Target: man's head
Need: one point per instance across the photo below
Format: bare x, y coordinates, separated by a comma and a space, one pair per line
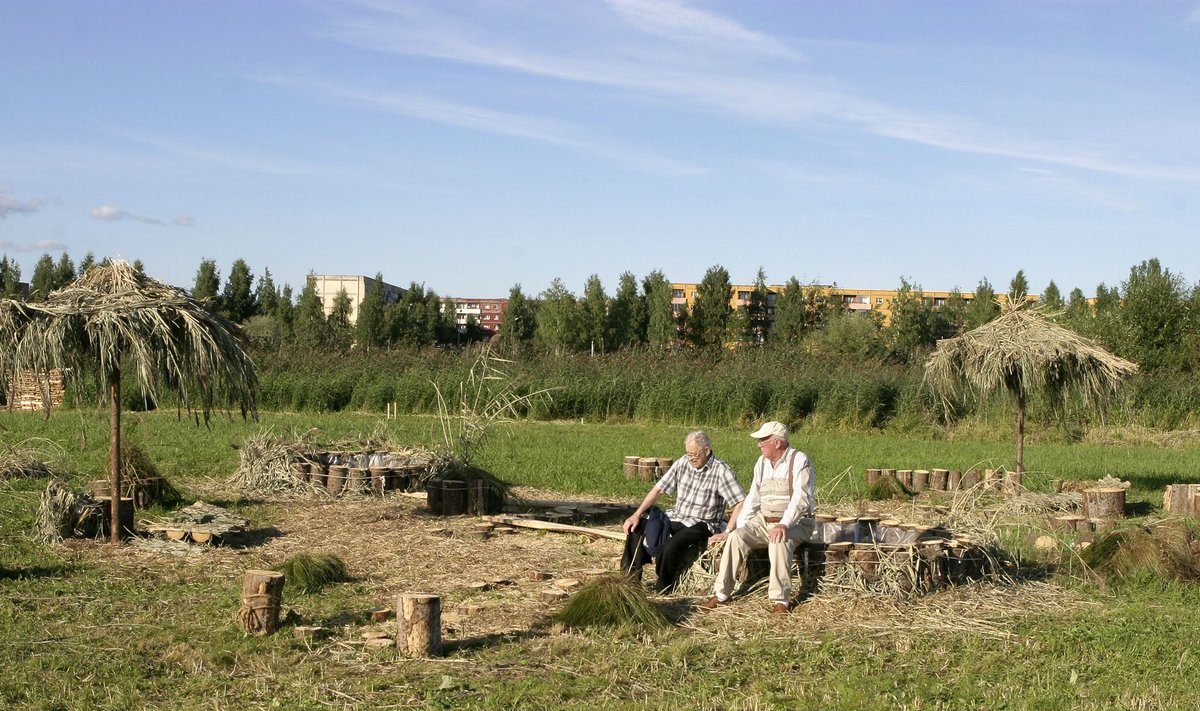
698, 447
772, 439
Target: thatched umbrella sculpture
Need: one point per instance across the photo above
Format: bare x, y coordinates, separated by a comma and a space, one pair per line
114, 318
1021, 351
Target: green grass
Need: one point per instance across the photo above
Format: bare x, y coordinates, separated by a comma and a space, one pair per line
85, 627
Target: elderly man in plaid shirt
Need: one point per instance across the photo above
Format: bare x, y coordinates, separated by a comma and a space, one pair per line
703, 487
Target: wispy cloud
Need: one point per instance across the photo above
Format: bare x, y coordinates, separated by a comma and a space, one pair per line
673, 20
241, 161
12, 206
44, 245
1193, 17
476, 118
760, 84
110, 213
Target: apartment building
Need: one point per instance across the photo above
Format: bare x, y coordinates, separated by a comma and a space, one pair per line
488, 313
328, 286
683, 295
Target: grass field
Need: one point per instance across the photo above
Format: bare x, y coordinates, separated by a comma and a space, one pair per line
99, 627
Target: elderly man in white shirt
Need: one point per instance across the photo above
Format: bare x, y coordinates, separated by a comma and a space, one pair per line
776, 515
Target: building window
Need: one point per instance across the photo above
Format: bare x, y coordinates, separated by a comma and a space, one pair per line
676, 293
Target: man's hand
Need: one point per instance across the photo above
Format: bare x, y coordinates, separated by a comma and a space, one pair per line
717, 538
631, 523
777, 534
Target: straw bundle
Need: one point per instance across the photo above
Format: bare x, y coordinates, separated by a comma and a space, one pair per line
612, 601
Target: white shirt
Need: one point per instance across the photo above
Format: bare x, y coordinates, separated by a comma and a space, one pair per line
801, 503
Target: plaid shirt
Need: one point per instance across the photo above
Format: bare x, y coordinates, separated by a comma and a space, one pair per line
701, 494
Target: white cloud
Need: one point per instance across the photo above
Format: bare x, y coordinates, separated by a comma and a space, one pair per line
12, 206
505, 123
673, 20
44, 245
110, 213
711, 80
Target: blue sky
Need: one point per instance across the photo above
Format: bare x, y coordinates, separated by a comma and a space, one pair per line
474, 145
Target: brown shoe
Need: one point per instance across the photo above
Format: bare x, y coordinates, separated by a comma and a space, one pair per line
712, 603
779, 608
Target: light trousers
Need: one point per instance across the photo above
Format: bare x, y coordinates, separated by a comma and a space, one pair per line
754, 536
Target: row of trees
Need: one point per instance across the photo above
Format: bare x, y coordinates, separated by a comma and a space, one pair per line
1152, 318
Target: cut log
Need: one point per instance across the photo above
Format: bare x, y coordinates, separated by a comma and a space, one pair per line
937, 479
419, 625
872, 476
953, 479
1180, 499
203, 537
920, 479
631, 466
175, 534
540, 575
648, 468
905, 477
262, 595
553, 595
1104, 503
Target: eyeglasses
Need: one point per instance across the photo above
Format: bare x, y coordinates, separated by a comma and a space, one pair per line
694, 456
766, 441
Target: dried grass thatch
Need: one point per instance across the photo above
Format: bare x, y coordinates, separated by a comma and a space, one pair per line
888, 487
25, 460
114, 319
1022, 352
1164, 550
56, 517
612, 601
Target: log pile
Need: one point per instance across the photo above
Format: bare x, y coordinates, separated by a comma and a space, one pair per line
29, 393
1182, 499
199, 523
646, 468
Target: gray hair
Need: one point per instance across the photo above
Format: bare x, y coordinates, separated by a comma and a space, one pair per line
699, 437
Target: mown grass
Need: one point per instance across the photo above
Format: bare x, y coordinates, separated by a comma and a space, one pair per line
85, 627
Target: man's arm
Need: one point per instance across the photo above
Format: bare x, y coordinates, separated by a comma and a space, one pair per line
651, 497
733, 517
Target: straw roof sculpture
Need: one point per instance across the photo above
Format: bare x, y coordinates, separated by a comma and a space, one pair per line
113, 319
1022, 352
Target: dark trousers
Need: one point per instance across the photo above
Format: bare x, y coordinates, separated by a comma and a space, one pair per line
676, 555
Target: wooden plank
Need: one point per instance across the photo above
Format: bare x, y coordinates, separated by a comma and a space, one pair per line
558, 527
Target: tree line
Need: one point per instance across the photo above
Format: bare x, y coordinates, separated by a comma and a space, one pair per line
1151, 318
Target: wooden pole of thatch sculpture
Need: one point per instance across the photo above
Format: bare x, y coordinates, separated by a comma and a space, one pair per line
262, 596
114, 454
419, 625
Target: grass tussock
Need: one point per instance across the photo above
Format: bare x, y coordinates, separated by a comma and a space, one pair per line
888, 487
612, 601
1166, 550
309, 573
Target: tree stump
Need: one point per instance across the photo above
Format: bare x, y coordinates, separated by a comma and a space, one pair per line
953, 479
631, 466
872, 476
419, 625
335, 480
905, 476
648, 468
664, 463
1104, 503
1181, 499
379, 479
262, 595
920, 479
1012, 482
937, 479
970, 479
358, 481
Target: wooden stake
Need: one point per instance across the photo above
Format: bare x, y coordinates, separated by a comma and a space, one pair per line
419, 625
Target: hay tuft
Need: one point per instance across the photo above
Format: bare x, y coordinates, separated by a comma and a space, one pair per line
612, 601
888, 487
1164, 550
309, 573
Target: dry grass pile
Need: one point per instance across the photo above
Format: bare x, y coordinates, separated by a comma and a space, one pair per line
1164, 550
612, 601
56, 515
309, 573
25, 460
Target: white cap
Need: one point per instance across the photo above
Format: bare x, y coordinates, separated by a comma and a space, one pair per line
771, 429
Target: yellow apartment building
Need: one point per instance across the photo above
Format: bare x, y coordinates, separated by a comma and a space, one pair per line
683, 295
